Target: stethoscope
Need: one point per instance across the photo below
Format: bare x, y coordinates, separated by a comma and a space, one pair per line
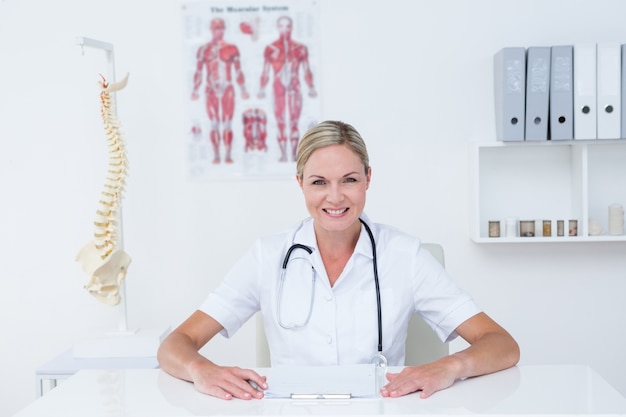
378, 359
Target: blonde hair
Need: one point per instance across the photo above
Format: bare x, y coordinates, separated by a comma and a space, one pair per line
328, 133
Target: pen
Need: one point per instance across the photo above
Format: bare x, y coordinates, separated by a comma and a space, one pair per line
320, 396
254, 385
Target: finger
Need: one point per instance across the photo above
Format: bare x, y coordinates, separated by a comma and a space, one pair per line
259, 386
251, 387
385, 391
398, 387
426, 393
391, 376
249, 375
227, 387
398, 392
217, 392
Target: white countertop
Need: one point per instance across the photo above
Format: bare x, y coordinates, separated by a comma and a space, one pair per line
525, 390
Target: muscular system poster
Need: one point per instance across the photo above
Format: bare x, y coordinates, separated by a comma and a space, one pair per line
252, 86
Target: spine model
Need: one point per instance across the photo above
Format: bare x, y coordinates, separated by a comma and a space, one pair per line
107, 215
104, 261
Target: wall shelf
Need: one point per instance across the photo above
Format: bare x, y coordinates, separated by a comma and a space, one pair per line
549, 180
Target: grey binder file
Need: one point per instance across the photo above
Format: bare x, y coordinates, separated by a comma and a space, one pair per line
537, 92
562, 93
509, 66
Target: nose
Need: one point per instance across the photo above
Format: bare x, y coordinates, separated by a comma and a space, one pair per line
335, 194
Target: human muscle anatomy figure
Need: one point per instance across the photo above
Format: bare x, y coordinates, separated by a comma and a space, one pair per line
102, 259
255, 129
221, 62
285, 57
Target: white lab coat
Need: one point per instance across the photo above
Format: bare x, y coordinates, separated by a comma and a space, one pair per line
343, 327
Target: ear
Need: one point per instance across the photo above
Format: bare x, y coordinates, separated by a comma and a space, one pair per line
299, 180
368, 178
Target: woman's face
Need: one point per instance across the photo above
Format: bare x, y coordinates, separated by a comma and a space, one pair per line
334, 184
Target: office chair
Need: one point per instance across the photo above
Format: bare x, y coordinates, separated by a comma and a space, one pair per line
422, 344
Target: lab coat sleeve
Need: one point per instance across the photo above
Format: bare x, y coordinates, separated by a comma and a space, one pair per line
236, 299
438, 299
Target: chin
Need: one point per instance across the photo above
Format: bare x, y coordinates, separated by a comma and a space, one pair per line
337, 224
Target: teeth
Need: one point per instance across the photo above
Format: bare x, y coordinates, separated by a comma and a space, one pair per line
329, 211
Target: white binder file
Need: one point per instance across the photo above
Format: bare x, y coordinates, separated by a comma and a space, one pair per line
585, 118
609, 90
537, 92
509, 66
623, 119
562, 93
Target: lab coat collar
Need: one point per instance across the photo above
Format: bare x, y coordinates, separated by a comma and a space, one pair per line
306, 236
364, 245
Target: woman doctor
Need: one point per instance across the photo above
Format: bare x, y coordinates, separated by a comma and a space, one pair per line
346, 294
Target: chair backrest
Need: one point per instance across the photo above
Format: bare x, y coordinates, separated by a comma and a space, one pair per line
422, 344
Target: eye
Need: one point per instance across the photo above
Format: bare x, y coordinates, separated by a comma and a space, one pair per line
350, 179
318, 182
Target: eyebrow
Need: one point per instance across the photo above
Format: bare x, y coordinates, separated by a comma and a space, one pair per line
344, 176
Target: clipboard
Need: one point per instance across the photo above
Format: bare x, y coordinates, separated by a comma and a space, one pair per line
322, 382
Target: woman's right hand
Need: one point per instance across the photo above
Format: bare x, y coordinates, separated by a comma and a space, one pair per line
179, 356
227, 382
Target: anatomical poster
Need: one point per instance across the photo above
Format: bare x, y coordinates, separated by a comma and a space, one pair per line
252, 83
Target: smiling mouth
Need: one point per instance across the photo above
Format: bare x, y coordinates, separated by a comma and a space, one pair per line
336, 212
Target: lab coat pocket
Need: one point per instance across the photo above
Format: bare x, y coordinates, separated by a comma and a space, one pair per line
366, 319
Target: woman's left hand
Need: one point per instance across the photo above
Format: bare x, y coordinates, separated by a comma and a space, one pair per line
428, 379
491, 349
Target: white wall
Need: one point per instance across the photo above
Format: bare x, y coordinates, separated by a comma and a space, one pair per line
414, 77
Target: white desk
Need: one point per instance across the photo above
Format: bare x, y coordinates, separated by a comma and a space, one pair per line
525, 390
65, 365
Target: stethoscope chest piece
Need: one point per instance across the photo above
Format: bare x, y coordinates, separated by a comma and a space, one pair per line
379, 360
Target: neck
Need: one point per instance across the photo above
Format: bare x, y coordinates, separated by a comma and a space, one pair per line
339, 242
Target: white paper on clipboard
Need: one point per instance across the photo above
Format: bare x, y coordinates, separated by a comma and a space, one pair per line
359, 381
